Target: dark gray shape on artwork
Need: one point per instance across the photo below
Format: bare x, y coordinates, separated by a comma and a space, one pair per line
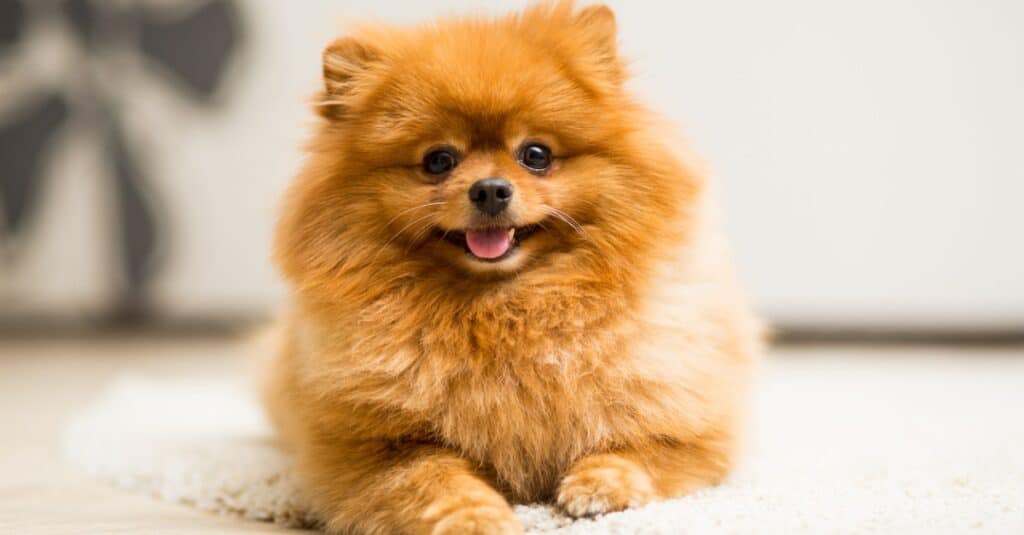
24, 141
95, 22
137, 225
195, 47
83, 18
12, 18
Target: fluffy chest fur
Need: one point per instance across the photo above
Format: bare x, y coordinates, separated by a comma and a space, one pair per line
521, 384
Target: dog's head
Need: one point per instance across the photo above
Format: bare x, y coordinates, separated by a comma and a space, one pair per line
485, 147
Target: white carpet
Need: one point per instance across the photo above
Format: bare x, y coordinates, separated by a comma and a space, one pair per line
841, 443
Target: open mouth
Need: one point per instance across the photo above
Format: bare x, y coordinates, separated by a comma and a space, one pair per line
490, 244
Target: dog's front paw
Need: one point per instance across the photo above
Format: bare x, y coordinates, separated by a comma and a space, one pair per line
474, 512
603, 484
479, 520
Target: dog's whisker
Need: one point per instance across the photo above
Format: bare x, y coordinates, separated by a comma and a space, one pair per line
399, 233
417, 207
565, 218
416, 238
400, 214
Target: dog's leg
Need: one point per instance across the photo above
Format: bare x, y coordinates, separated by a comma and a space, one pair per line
402, 488
631, 477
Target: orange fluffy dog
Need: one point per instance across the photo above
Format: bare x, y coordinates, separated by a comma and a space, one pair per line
504, 286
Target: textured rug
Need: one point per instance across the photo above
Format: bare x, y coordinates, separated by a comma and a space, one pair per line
839, 444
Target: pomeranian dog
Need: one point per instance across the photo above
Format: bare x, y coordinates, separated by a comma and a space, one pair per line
504, 285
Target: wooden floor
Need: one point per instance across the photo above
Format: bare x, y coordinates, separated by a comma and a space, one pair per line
41, 383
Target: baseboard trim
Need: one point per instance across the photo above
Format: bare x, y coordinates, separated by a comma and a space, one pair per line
232, 325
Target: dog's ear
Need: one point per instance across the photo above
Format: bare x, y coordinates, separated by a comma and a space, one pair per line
346, 63
599, 31
598, 23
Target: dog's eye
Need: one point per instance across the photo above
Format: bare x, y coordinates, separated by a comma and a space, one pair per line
439, 162
535, 157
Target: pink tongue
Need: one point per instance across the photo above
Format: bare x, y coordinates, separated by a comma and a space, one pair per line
488, 243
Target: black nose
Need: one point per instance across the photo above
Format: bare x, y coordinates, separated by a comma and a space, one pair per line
491, 195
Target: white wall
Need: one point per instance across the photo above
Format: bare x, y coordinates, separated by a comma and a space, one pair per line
868, 154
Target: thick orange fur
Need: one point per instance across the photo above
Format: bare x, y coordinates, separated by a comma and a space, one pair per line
602, 366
